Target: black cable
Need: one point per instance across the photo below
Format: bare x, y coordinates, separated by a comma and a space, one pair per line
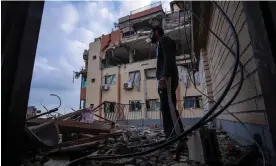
237, 49
203, 120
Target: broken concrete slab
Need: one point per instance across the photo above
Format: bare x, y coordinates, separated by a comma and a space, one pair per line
66, 127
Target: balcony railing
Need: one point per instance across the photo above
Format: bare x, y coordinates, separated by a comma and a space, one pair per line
142, 111
145, 8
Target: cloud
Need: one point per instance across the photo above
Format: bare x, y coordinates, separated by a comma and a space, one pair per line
69, 18
67, 28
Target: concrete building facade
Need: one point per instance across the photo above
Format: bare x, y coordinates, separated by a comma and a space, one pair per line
120, 67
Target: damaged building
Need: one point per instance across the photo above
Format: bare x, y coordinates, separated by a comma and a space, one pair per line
121, 67
226, 93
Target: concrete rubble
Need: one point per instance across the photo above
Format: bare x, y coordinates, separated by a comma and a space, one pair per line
122, 140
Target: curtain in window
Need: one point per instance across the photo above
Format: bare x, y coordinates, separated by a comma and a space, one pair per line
131, 77
197, 78
184, 75
137, 79
113, 79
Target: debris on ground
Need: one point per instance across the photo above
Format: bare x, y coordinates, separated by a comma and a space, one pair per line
78, 139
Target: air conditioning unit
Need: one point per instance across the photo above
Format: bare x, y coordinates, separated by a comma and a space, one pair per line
128, 85
105, 87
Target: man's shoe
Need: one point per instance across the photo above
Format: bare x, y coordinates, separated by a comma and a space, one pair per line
181, 147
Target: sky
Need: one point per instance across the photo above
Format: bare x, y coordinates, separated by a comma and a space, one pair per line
67, 28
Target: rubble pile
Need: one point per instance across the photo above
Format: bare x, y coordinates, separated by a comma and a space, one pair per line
74, 140
121, 140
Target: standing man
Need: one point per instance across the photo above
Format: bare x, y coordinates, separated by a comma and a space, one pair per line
167, 76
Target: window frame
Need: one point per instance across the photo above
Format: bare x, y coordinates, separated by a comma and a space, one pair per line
197, 102
146, 70
136, 71
152, 102
114, 79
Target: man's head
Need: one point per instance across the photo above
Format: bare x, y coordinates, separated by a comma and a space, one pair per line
91, 105
156, 33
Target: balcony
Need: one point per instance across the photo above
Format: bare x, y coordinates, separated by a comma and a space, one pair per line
175, 19
141, 20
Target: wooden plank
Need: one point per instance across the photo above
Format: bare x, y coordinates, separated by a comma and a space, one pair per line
66, 127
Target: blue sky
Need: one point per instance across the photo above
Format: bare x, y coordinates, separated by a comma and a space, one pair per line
67, 28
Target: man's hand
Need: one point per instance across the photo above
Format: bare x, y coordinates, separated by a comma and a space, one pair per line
163, 83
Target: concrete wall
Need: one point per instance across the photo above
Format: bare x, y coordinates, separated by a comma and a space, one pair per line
93, 72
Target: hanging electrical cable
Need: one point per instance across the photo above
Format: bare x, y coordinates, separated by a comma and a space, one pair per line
241, 69
205, 119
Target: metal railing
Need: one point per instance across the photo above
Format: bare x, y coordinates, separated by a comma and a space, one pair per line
116, 111
145, 8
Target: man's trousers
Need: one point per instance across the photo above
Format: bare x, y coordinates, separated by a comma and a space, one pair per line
171, 121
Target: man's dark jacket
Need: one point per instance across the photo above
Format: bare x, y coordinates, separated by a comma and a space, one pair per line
166, 64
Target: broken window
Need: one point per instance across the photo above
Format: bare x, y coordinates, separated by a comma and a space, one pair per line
152, 105
193, 102
109, 107
150, 73
135, 105
110, 79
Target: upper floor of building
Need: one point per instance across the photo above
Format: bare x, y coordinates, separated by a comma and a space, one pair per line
127, 43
